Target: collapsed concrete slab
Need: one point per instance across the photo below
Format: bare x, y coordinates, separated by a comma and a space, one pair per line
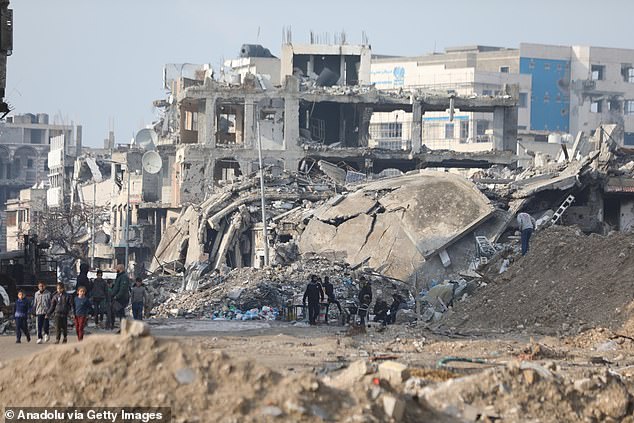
397, 225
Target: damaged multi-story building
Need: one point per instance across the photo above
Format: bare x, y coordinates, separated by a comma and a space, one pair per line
312, 114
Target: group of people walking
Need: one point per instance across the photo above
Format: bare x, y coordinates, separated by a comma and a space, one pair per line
101, 299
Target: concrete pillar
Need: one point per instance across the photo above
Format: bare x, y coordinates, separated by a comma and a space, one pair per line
210, 122
291, 123
251, 113
342, 70
505, 128
417, 127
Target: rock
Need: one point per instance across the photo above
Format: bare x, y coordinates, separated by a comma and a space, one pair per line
134, 328
394, 407
351, 374
293, 407
612, 401
394, 372
530, 376
406, 316
583, 385
185, 376
271, 411
235, 294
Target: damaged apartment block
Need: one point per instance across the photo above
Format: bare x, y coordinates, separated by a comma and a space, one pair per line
316, 105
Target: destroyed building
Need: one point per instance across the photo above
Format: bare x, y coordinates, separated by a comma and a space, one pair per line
317, 120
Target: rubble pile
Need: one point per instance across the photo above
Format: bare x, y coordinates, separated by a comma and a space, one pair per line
197, 383
567, 282
248, 293
218, 231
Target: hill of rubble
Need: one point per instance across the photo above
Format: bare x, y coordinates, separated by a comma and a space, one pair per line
198, 384
232, 295
567, 282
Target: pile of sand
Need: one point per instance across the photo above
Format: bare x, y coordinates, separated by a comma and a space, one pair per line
568, 281
199, 385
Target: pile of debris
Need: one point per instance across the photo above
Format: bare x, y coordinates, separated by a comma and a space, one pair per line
249, 293
567, 282
219, 230
197, 383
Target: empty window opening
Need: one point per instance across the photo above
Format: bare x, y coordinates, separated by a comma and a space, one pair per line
597, 72
596, 106
230, 124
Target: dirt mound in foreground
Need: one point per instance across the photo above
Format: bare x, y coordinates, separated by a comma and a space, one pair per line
568, 281
200, 385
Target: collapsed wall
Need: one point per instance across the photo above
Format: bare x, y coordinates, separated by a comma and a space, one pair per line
399, 225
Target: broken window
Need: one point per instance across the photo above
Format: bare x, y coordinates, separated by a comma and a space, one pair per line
504, 69
596, 106
597, 72
523, 100
627, 71
387, 130
449, 131
628, 107
191, 121
614, 105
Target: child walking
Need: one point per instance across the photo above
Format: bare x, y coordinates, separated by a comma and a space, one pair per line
139, 297
22, 309
59, 309
83, 309
41, 304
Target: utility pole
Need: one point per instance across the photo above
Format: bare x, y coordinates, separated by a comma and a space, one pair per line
94, 205
265, 231
127, 220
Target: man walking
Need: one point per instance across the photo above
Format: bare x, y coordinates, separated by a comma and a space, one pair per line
314, 294
526, 225
330, 293
120, 292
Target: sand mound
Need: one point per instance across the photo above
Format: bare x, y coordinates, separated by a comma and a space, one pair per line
568, 281
199, 385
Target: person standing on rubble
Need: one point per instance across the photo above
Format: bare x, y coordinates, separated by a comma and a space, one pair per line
527, 225
330, 293
314, 294
98, 297
365, 298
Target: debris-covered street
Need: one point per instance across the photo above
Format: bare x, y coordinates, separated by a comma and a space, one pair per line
317, 230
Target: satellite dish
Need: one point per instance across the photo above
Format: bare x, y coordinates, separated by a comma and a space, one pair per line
152, 162
146, 139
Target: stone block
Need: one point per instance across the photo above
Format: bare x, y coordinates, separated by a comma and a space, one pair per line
134, 328
394, 372
394, 407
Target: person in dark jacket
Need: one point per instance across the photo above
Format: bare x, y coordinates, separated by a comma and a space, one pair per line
83, 309
82, 279
120, 292
397, 302
314, 294
98, 296
330, 293
59, 309
365, 298
22, 310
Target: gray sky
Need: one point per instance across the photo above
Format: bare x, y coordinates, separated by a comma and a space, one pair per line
94, 62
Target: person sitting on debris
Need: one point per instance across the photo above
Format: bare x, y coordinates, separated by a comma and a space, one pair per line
83, 308
527, 225
330, 293
365, 298
380, 311
60, 307
120, 292
22, 309
98, 296
138, 298
41, 303
314, 294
